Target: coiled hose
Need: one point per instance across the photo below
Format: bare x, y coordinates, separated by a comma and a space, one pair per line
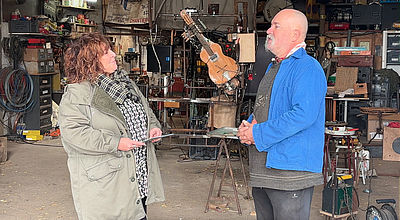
16, 89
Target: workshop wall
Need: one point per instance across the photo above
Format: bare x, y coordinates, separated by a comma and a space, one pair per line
169, 17
28, 8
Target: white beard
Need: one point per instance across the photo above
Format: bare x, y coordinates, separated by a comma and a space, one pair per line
266, 43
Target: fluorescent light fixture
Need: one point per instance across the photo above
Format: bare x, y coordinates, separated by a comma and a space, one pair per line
91, 0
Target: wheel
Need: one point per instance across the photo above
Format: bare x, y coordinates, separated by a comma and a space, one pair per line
389, 211
373, 213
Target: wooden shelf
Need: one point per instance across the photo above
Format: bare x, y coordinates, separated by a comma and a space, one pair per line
37, 34
86, 25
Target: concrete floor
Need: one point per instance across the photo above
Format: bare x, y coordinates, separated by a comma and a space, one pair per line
34, 184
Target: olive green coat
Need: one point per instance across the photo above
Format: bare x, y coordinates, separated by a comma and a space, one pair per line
102, 177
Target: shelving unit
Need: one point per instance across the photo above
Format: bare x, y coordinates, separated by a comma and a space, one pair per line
39, 117
391, 50
81, 8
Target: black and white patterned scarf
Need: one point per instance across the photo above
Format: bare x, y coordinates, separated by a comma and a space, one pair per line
118, 88
121, 91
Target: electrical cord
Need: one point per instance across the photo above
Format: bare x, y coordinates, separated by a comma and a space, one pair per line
13, 49
16, 90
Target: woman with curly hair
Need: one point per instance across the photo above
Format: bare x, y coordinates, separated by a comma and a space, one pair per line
103, 119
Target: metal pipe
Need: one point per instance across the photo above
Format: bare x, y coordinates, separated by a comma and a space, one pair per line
186, 130
159, 10
200, 15
200, 87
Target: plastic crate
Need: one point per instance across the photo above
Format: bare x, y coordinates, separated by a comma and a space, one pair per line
23, 26
20, 26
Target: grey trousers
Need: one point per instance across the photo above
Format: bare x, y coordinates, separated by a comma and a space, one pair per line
272, 204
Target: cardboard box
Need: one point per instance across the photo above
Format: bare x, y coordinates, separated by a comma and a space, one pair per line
56, 81
373, 122
346, 77
360, 88
36, 67
35, 54
391, 144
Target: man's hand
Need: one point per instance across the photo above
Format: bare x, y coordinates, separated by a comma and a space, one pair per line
155, 132
127, 144
245, 132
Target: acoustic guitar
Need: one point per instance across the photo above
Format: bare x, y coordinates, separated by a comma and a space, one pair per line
221, 68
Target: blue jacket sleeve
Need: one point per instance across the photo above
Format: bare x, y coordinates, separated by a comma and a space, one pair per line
250, 119
307, 96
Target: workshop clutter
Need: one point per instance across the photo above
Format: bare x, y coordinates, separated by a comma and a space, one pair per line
19, 24
39, 60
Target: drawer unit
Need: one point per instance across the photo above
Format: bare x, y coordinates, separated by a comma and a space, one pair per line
45, 100
44, 80
393, 41
393, 57
391, 50
46, 90
39, 116
45, 110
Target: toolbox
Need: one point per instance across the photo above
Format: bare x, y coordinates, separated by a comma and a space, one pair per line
355, 60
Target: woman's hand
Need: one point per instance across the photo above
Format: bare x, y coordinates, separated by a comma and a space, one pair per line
127, 144
155, 132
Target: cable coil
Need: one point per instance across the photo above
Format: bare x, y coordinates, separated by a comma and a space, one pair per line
16, 89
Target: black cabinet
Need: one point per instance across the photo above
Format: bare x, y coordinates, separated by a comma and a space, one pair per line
39, 116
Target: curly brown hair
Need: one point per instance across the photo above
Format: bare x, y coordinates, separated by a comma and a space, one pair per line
81, 60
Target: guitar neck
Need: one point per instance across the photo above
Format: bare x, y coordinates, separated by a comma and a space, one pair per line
192, 25
202, 39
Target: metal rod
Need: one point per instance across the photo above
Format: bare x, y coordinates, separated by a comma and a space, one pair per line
215, 175
200, 15
159, 10
228, 159
244, 174
200, 87
222, 180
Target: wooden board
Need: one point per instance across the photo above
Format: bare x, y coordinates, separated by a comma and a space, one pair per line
346, 77
3, 149
342, 216
390, 134
372, 125
247, 46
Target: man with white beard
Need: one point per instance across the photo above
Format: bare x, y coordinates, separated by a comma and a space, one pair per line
286, 130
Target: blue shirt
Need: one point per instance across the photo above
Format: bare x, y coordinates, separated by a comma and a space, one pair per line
293, 135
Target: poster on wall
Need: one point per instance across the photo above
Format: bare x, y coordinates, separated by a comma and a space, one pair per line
127, 12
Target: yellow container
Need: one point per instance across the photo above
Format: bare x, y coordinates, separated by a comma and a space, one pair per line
31, 132
34, 137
